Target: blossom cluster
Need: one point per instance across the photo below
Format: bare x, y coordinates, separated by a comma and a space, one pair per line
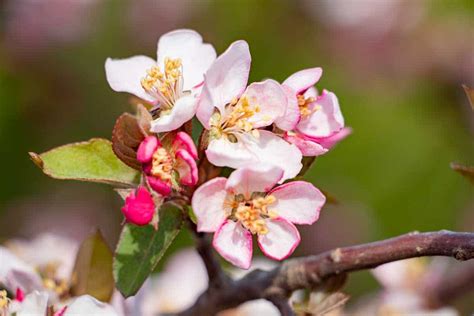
261, 130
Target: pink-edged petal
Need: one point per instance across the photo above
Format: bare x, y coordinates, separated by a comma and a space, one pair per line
182, 111
208, 205
308, 147
326, 120
125, 75
267, 149
183, 141
331, 141
186, 167
303, 79
196, 56
225, 80
299, 202
147, 148
162, 187
281, 240
292, 115
88, 305
234, 243
253, 179
271, 100
312, 92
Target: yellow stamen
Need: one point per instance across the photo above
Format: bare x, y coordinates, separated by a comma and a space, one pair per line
4, 300
164, 85
252, 213
303, 104
162, 164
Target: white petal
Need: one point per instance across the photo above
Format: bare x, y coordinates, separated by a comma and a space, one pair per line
292, 115
125, 75
267, 149
281, 240
182, 111
15, 273
270, 98
208, 205
196, 57
225, 80
253, 179
325, 121
298, 202
34, 304
303, 79
87, 305
234, 243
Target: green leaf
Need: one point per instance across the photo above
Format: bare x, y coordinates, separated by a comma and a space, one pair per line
92, 161
140, 248
92, 272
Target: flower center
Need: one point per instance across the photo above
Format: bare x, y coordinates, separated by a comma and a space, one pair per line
48, 274
162, 164
236, 120
253, 212
165, 85
304, 103
4, 300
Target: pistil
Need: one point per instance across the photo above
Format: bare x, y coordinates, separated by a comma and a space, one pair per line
253, 213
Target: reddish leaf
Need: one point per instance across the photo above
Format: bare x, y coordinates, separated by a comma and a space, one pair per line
467, 171
470, 95
126, 137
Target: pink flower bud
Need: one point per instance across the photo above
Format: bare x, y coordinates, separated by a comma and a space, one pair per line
139, 207
20, 295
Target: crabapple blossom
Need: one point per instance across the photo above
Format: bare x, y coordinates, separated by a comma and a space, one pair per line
236, 116
169, 162
247, 204
139, 207
171, 83
313, 123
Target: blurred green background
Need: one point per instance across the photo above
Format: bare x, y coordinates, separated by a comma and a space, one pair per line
397, 67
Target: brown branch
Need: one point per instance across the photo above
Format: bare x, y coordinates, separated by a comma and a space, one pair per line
312, 271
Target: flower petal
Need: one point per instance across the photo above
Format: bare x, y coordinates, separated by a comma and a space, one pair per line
162, 187
325, 121
88, 305
34, 303
298, 202
267, 149
303, 79
308, 147
196, 56
292, 115
331, 141
208, 205
147, 148
225, 80
182, 111
253, 179
184, 141
234, 243
271, 99
186, 167
281, 240
15, 273
125, 75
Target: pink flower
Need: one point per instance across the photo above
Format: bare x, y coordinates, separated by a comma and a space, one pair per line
236, 116
163, 163
171, 82
313, 123
139, 207
246, 204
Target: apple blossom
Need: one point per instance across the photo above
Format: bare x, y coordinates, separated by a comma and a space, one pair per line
236, 116
139, 207
171, 82
313, 123
246, 204
170, 162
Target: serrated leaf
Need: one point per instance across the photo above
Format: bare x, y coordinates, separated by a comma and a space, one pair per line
92, 161
467, 171
140, 248
92, 272
470, 95
126, 137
